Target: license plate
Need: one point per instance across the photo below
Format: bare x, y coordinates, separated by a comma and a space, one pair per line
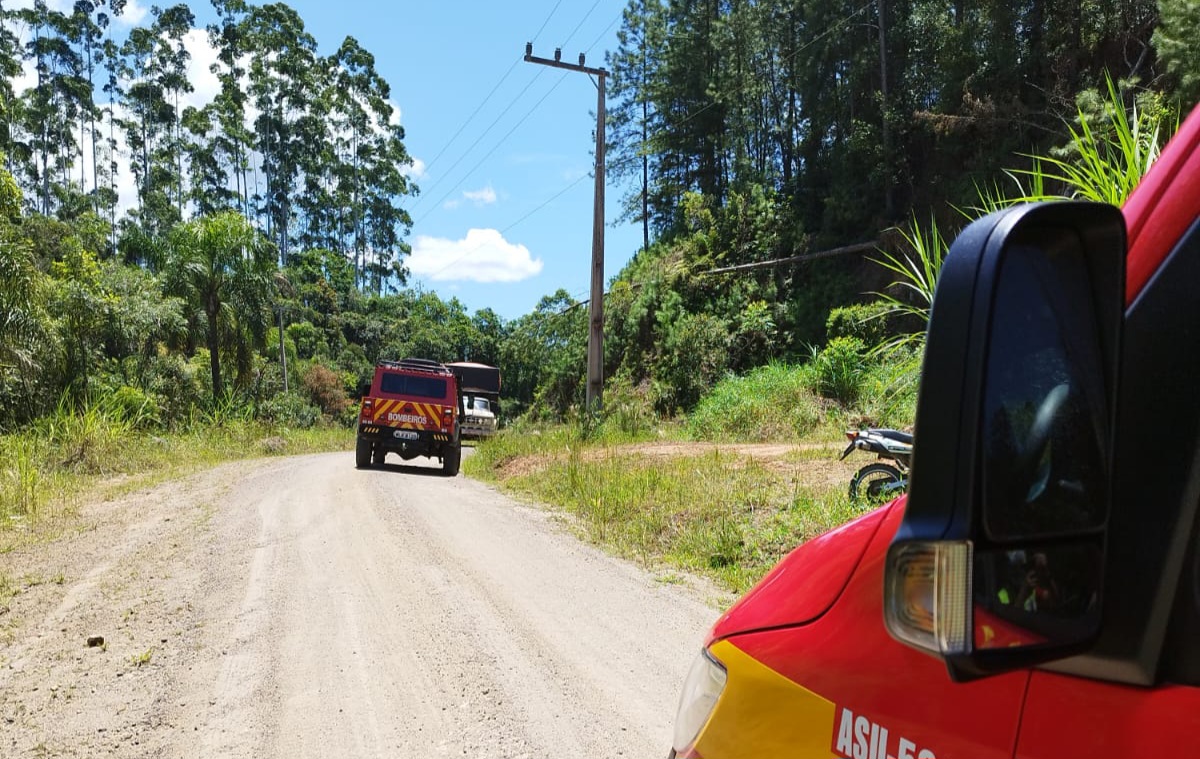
406, 435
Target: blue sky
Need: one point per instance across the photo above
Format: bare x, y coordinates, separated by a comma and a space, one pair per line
502, 148
505, 214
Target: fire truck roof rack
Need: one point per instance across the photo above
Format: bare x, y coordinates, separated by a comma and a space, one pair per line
420, 364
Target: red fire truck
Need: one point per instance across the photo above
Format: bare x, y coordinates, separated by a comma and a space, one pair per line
1037, 595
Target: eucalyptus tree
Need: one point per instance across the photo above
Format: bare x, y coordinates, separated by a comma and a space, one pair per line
225, 270
52, 107
232, 142
282, 84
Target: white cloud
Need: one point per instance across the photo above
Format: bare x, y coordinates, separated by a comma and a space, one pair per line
484, 196
133, 14
482, 256
205, 84
416, 171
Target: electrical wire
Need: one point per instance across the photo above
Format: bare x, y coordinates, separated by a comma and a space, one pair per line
485, 133
603, 33
543, 26
580, 24
495, 147
474, 113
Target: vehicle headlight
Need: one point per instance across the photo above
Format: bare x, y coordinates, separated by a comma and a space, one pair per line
701, 689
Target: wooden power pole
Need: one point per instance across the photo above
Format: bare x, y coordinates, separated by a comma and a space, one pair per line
595, 370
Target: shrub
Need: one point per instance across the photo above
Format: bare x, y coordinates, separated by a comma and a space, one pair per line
289, 410
770, 403
837, 369
326, 390
866, 321
128, 404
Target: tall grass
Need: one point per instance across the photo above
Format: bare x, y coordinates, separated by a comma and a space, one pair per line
774, 402
47, 468
722, 515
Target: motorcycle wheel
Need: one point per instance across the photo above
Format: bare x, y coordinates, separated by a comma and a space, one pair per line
876, 484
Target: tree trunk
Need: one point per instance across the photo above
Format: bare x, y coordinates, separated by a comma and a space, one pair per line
214, 352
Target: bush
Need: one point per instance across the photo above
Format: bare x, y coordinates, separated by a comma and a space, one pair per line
770, 403
326, 390
128, 404
696, 354
866, 321
628, 408
289, 410
837, 369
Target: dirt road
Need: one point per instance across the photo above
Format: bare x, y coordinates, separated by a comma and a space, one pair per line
301, 608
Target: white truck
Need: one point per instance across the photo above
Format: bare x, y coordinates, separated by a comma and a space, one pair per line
480, 388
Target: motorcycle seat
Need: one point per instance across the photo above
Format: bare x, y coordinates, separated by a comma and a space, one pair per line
897, 435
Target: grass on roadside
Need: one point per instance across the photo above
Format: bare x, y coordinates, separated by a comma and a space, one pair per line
719, 514
49, 469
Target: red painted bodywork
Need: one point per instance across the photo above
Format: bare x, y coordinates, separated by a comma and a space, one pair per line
805, 583
1163, 206
817, 618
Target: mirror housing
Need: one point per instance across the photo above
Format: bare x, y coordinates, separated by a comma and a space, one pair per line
364, 389
998, 561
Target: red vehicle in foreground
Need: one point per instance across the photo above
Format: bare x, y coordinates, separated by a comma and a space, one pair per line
1037, 595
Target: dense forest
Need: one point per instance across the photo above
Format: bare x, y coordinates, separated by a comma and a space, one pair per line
743, 131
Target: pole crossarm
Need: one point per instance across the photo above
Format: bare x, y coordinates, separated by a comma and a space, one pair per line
567, 66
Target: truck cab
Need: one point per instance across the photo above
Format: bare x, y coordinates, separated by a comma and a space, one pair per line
1037, 593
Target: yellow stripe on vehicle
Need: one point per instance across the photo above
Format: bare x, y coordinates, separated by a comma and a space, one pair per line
763, 714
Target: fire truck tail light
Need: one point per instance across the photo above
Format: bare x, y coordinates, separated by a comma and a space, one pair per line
927, 597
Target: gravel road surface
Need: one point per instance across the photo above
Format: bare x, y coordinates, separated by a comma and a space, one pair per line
301, 608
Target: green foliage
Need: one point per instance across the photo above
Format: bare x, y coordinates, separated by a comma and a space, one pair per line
1109, 151
837, 370
770, 403
867, 322
695, 356
916, 279
1175, 41
719, 514
628, 408
290, 410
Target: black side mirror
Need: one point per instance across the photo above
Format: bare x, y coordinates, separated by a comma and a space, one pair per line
998, 562
364, 389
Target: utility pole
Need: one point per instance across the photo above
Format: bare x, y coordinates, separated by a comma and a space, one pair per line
595, 370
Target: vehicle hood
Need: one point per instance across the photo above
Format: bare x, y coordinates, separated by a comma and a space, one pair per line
804, 585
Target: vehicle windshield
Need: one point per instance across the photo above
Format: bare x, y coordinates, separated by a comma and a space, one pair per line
479, 404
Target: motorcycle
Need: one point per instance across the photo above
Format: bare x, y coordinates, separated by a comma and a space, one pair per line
880, 482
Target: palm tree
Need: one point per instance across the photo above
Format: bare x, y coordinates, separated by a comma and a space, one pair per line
225, 269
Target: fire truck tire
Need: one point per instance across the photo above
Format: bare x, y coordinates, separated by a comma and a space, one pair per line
362, 454
451, 460
877, 484
378, 456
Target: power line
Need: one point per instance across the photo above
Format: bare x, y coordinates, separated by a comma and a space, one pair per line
494, 148
473, 114
485, 133
608, 29
543, 26
580, 24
